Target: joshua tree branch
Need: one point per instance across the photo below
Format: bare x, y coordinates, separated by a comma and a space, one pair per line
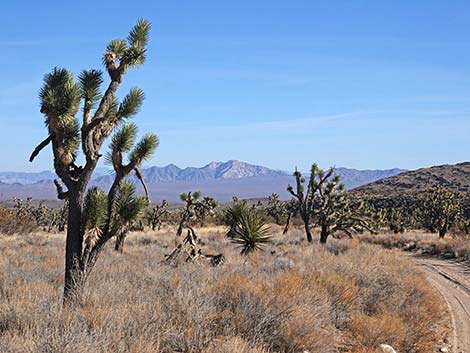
139, 176
61, 194
40, 147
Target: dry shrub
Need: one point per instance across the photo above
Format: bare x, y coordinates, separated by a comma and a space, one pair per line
368, 332
291, 298
11, 223
233, 345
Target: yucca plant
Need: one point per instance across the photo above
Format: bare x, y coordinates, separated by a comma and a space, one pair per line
61, 97
251, 232
230, 216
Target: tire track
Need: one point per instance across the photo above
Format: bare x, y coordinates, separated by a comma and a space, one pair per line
452, 280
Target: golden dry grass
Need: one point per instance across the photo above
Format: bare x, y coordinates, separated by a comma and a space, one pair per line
457, 247
290, 298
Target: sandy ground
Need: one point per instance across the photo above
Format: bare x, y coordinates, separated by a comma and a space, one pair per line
452, 279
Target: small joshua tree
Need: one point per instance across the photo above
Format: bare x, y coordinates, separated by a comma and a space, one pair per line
304, 199
277, 209
61, 97
190, 243
396, 220
205, 208
440, 209
189, 210
156, 214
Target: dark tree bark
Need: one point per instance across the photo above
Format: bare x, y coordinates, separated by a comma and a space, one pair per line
308, 232
119, 245
73, 249
324, 234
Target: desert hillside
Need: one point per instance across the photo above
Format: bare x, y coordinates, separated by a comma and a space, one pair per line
452, 176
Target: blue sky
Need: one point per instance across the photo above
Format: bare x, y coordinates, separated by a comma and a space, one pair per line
363, 84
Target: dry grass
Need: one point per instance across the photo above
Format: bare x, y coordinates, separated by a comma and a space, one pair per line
449, 247
291, 298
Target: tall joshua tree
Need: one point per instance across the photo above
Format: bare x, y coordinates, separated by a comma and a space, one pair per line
61, 97
304, 200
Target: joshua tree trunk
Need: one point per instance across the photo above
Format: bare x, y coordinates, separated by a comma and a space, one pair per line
324, 234
119, 245
442, 232
73, 248
308, 232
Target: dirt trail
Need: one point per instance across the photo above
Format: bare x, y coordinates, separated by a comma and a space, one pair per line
452, 280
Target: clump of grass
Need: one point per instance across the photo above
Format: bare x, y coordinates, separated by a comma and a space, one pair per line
289, 299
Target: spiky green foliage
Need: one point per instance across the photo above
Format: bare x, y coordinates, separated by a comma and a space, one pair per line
60, 95
118, 47
128, 207
251, 232
138, 35
133, 52
69, 135
95, 213
144, 149
439, 209
90, 82
124, 138
231, 216
127, 210
131, 103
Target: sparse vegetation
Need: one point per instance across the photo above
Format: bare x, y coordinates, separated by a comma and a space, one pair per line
455, 248
288, 299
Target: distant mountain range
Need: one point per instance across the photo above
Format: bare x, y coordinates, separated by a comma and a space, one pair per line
221, 180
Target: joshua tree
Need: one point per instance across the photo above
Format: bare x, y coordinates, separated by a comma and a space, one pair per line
61, 97
304, 200
337, 212
277, 209
190, 244
439, 209
251, 232
156, 214
396, 220
189, 210
205, 208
